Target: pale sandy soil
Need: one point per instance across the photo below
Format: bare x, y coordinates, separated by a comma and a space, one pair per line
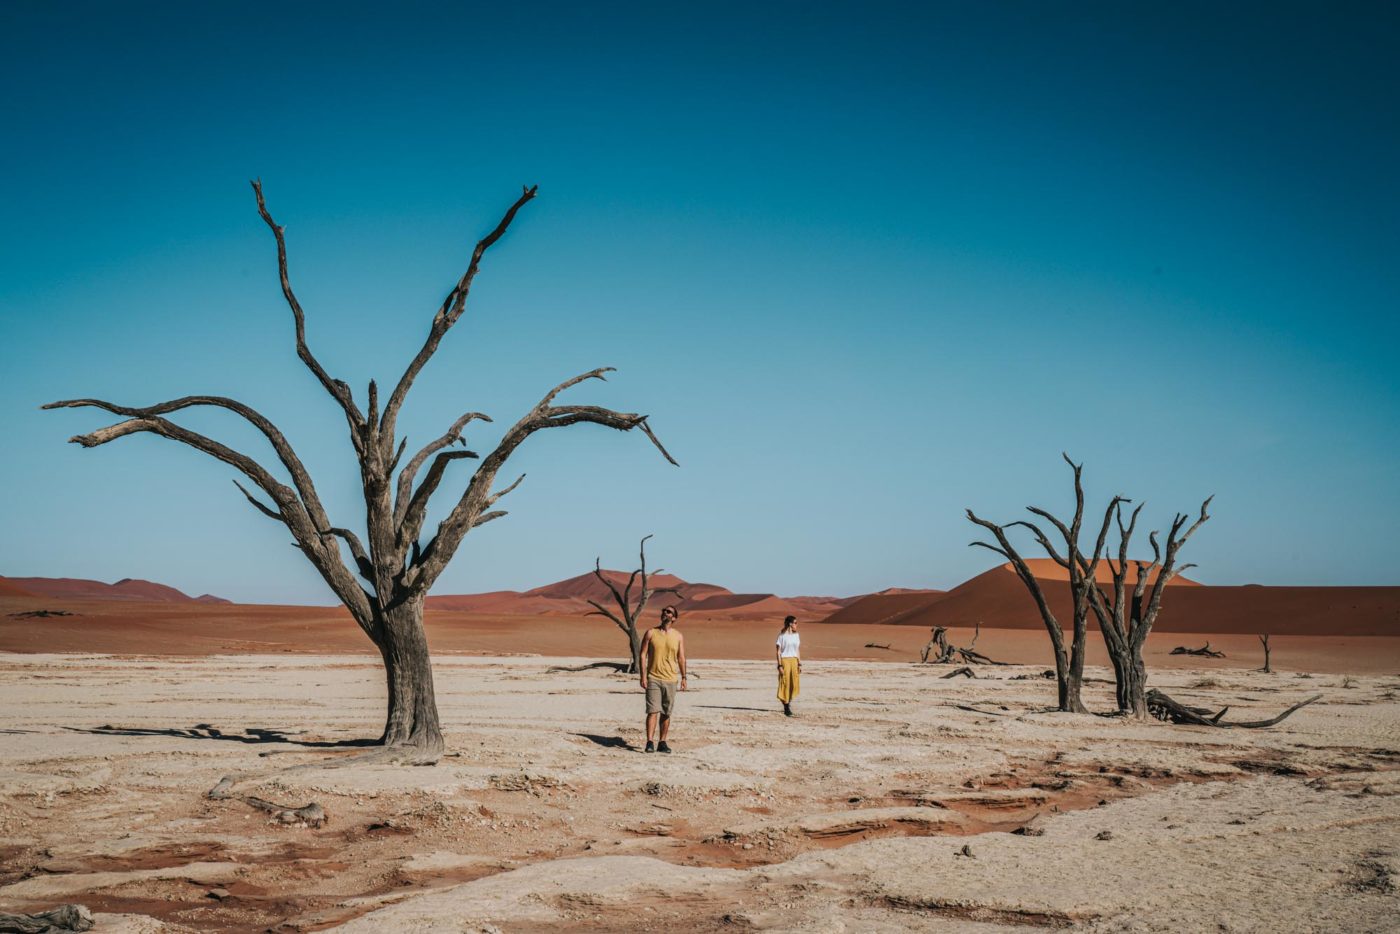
850, 817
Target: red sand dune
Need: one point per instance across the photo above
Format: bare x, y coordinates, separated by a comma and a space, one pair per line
997, 599
570, 598
9, 588
73, 588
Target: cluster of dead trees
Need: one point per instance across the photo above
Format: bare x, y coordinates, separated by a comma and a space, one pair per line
1125, 610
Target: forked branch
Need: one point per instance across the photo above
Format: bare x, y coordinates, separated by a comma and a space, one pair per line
339, 390
448, 314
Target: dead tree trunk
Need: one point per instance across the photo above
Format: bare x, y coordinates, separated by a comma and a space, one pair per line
382, 584
1126, 621
1069, 659
1264, 639
939, 641
628, 610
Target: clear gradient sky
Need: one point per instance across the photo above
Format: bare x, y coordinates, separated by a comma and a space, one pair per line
864, 264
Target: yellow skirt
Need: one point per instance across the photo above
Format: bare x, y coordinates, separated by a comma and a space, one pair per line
789, 680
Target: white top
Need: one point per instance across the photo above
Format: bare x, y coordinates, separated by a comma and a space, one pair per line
789, 645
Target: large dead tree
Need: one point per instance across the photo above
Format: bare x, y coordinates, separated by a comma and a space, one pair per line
629, 608
1124, 619
394, 566
1069, 659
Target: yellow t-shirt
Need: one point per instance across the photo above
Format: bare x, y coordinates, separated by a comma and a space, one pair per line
662, 664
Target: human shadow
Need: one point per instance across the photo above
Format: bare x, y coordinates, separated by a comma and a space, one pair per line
610, 742
205, 731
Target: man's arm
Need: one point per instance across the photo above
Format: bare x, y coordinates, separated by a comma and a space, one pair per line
680, 658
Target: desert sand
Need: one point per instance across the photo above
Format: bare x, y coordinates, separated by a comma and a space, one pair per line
891, 802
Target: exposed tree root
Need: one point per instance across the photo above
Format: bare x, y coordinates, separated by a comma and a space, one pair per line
312, 815
56, 920
1164, 708
1204, 650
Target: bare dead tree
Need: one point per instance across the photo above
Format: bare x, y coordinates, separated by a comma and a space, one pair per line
629, 610
1069, 659
1125, 620
396, 569
1264, 640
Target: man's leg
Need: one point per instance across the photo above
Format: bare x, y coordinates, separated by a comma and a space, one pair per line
665, 728
651, 726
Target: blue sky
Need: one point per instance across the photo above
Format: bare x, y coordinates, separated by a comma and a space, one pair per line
864, 264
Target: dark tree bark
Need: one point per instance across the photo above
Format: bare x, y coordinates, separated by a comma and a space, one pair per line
629, 610
384, 578
1069, 659
1264, 640
1124, 620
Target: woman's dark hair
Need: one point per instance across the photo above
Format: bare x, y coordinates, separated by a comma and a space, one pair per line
788, 621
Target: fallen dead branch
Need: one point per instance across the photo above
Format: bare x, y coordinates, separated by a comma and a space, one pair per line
947, 653
877, 645
615, 666
1204, 650
1165, 708
56, 920
964, 672
40, 614
312, 815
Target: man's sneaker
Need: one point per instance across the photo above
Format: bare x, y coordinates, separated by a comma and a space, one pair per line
662, 747
651, 747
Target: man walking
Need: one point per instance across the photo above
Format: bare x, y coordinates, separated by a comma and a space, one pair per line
663, 665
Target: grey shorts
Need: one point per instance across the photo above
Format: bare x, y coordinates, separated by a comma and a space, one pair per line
661, 696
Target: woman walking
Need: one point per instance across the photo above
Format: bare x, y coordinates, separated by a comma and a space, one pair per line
789, 653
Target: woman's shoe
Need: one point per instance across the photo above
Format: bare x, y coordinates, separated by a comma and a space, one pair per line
787, 710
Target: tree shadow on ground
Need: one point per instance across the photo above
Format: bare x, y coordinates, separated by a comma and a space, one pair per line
611, 742
724, 707
205, 731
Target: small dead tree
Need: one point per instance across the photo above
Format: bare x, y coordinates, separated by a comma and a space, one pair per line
629, 610
1264, 640
1069, 659
396, 568
1126, 620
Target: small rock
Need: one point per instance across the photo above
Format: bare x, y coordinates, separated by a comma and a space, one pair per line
218, 894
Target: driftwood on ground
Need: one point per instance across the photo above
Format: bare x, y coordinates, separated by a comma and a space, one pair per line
1165, 708
56, 920
1204, 650
964, 672
877, 645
